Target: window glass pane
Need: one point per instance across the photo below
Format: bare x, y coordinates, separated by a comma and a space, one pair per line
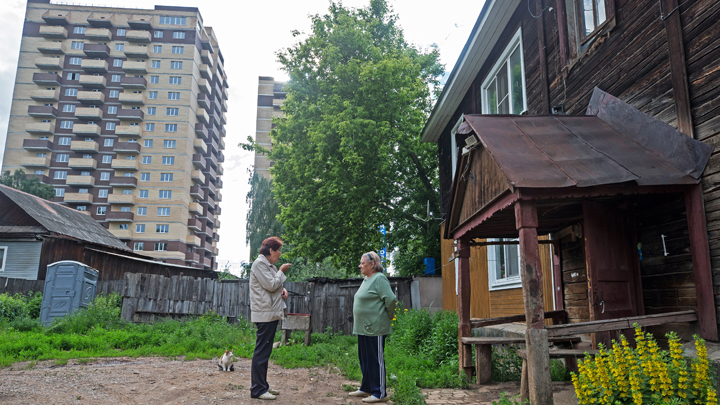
587, 16
600, 9
513, 267
502, 89
516, 82
492, 97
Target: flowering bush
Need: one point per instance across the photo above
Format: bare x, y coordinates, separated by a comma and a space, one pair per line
646, 374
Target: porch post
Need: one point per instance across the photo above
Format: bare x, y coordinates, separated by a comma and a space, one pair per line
463, 301
536, 338
702, 270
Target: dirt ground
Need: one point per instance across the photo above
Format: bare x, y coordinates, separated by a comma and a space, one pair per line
152, 380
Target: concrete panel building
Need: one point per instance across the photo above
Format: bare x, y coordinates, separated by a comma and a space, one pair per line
123, 112
270, 97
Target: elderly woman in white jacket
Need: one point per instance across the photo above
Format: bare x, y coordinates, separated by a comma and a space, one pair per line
266, 309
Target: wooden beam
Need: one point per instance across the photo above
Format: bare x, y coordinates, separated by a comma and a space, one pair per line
478, 323
702, 267
463, 304
678, 69
545, 105
557, 278
562, 33
505, 200
509, 242
621, 323
536, 337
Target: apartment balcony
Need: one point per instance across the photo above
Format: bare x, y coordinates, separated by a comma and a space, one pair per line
216, 237
80, 181
218, 211
199, 161
89, 113
45, 95
121, 233
219, 183
132, 98
218, 196
201, 131
94, 66
206, 43
208, 216
213, 146
192, 240
45, 79
220, 170
41, 128
132, 148
138, 36
43, 162
204, 101
101, 20
220, 155
204, 86
194, 223
93, 82
192, 257
90, 97
84, 146
128, 82
41, 111
210, 187
200, 146
124, 164
130, 115
197, 176
136, 51
205, 72
202, 115
217, 223
223, 106
86, 198
223, 132
213, 133
196, 208
96, 50
119, 216
223, 118
135, 68
48, 63
122, 181
86, 129
123, 199
131, 131
51, 47
211, 161
53, 32
225, 94
140, 22
37, 145
98, 34
82, 164
195, 191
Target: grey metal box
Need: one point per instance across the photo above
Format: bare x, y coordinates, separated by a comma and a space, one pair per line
69, 285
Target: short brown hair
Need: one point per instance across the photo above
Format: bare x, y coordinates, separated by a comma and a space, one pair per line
273, 243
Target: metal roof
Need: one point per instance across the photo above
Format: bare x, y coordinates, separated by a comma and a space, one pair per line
616, 145
62, 220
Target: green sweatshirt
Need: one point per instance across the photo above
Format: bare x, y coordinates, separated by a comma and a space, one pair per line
374, 306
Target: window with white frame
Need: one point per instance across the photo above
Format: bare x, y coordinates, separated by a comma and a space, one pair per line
41, 154
143, 194
175, 80
165, 194
178, 49
175, 65
154, 80
119, 47
151, 110
60, 175
116, 79
503, 91
75, 61
173, 112
59, 192
62, 157
503, 265
162, 228
73, 76
150, 127
101, 210
69, 108
104, 175
160, 246
144, 176
77, 45
64, 140
157, 48
173, 21
168, 160
148, 143
81, 208
179, 34
3, 257
155, 64
166, 177
174, 95
157, 34
142, 211
110, 126
170, 127
123, 226
103, 193
112, 109
109, 142
71, 92
152, 95
138, 246
79, 30
120, 32
117, 63
146, 160
163, 211
140, 228
107, 159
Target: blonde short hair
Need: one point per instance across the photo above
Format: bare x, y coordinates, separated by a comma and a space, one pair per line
375, 258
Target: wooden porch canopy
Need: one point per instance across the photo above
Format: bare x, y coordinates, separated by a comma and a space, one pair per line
526, 175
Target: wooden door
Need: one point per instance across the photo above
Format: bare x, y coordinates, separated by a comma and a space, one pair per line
613, 272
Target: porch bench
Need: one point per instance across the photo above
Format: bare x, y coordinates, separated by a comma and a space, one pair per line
483, 351
604, 325
554, 354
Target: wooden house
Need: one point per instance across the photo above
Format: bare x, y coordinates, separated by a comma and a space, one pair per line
593, 123
35, 233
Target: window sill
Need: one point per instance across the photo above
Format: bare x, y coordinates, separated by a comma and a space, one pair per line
506, 284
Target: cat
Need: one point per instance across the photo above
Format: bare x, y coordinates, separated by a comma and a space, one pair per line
226, 362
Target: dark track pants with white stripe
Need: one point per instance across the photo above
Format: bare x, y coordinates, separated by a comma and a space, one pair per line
371, 350
261, 357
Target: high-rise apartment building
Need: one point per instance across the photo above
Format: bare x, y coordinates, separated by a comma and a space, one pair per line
270, 97
122, 111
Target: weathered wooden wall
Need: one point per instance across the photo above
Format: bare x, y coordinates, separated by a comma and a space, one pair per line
148, 297
19, 285
489, 183
574, 276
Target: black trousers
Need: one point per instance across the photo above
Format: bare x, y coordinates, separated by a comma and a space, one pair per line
261, 357
371, 350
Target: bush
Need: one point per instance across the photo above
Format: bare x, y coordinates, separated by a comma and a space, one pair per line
411, 330
406, 391
506, 364
20, 306
623, 375
103, 312
442, 344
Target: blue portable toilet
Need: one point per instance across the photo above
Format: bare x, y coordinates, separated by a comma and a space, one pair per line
69, 285
429, 266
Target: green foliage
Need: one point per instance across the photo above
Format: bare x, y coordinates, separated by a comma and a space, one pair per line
347, 154
20, 306
302, 269
411, 329
558, 372
507, 399
506, 364
32, 185
103, 312
406, 391
262, 221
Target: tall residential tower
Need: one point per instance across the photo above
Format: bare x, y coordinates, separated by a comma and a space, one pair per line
122, 111
270, 97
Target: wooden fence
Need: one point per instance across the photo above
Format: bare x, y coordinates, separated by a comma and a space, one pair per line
20, 285
148, 297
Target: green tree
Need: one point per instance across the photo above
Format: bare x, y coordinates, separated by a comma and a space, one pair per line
32, 185
348, 155
262, 214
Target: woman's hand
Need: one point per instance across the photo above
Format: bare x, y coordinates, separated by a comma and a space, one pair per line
285, 267
284, 294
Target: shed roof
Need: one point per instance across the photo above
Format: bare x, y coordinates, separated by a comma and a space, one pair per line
62, 220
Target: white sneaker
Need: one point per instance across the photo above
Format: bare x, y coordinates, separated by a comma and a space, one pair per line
274, 392
374, 399
267, 395
359, 394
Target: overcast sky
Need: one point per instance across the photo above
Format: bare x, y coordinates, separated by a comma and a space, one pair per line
249, 33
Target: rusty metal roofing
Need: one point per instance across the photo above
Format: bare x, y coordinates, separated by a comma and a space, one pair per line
617, 145
62, 220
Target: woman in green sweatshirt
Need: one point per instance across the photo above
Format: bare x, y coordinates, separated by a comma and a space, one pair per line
373, 311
